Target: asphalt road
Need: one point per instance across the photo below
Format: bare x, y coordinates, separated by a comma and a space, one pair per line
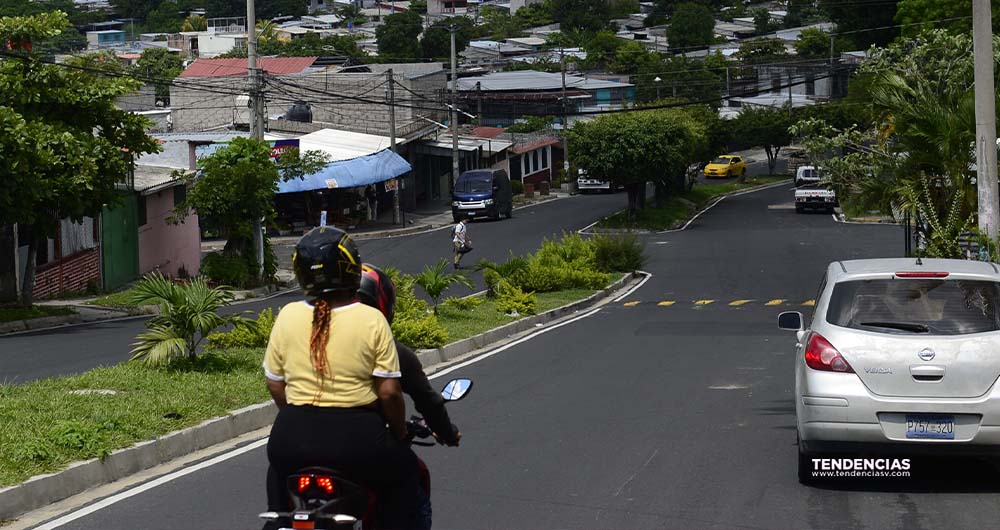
669, 409
70, 350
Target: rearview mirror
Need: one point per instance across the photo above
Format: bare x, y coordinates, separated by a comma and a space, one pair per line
790, 320
456, 389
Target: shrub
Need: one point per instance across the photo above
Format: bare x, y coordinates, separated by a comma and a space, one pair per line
246, 334
508, 270
513, 300
226, 270
517, 187
584, 279
618, 254
423, 332
434, 280
407, 303
572, 250
463, 304
539, 278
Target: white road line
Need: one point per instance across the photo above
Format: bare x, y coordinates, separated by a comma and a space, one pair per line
493, 352
72, 516
635, 287
68, 518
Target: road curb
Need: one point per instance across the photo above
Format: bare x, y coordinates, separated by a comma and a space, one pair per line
55, 322
449, 352
42, 490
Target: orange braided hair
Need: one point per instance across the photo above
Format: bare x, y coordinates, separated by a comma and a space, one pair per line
320, 334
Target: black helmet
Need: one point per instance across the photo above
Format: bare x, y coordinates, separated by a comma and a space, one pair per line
377, 290
326, 260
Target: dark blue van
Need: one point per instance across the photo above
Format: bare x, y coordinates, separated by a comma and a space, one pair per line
482, 193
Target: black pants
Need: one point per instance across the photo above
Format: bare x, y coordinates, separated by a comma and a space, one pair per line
356, 443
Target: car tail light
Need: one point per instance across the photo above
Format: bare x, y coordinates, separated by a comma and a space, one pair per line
921, 274
821, 355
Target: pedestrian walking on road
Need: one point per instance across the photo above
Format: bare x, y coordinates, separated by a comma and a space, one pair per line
461, 242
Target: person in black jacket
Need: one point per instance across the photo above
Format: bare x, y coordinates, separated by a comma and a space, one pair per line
378, 291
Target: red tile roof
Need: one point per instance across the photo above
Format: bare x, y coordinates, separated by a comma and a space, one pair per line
486, 132
535, 145
230, 67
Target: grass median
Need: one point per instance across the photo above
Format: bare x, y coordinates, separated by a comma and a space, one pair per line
677, 210
51, 423
14, 313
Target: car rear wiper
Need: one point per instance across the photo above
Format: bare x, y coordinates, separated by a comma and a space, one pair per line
905, 326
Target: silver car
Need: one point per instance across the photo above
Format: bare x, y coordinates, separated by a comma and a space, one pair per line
901, 357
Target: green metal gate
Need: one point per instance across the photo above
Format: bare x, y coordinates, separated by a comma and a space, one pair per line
120, 243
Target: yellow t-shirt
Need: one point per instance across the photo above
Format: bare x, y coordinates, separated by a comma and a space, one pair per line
360, 347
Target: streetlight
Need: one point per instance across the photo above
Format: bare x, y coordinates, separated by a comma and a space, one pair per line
657, 80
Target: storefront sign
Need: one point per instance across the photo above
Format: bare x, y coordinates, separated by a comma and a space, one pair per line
331, 183
391, 185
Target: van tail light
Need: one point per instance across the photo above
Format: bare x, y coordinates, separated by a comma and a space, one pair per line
821, 355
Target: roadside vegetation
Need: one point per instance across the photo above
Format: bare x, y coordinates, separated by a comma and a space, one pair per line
14, 313
677, 210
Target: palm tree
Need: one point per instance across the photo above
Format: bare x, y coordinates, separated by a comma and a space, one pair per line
493, 272
434, 281
188, 313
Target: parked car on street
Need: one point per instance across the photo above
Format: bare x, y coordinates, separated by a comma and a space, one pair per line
900, 357
585, 184
816, 197
807, 175
726, 166
482, 193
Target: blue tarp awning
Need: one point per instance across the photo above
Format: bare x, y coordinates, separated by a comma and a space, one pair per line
360, 171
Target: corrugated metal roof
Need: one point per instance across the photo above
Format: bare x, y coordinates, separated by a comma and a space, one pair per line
150, 179
531, 80
343, 145
228, 67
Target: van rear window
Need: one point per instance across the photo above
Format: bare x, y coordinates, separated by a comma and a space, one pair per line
931, 306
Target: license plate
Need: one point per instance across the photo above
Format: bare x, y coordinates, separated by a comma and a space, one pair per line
936, 427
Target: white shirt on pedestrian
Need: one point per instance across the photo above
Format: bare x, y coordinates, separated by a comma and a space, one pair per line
458, 235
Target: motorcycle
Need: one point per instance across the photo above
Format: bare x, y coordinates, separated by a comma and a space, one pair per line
322, 499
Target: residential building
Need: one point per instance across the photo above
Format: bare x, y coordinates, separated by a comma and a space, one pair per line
171, 248
107, 38
442, 7
503, 97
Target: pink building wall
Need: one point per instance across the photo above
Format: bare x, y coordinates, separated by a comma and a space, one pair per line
168, 247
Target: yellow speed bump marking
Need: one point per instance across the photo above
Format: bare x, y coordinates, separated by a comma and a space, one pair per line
776, 301
666, 303
703, 302
631, 304
737, 303
809, 303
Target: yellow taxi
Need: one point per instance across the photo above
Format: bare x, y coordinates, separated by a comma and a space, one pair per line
726, 166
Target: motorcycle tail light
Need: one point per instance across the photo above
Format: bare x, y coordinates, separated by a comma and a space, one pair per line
304, 482
326, 484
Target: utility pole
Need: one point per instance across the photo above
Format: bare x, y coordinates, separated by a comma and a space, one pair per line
790, 93
454, 108
986, 121
479, 104
392, 142
256, 118
565, 103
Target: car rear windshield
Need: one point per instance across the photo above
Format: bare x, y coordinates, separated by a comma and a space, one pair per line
810, 174
474, 183
931, 306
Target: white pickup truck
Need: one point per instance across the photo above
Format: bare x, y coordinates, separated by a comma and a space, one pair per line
585, 184
815, 196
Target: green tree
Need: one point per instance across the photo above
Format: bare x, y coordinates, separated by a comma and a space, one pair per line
309, 45
188, 313
194, 23
61, 136
623, 8
419, 7
813, 43
601, 48
581, 15
134, 8
857, 19
436, 41
160, 67
766, 127
692, 25
237, 185
225, 8
279, 8
397, 37
926, 14
435, 281
761, 51
762, 23
632, 57
168, 17
634, 148
534, 15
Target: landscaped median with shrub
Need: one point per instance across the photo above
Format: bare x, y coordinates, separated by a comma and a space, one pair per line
17, 312
182, 380
677, 210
